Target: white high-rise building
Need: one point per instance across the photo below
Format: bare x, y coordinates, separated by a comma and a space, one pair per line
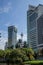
35, 26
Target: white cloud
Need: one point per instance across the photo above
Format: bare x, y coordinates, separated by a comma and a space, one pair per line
6, 9
3, 39
8, 24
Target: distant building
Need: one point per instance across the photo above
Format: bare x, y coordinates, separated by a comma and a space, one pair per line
6, 45
35, 26
12, 36
0, 35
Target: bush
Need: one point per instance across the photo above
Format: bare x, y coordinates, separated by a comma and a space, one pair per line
36, 62
17, 55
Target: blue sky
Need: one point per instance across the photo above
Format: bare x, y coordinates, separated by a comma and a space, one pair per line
14, 12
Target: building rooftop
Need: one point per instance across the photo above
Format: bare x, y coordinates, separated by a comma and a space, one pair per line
12, 27
32, 7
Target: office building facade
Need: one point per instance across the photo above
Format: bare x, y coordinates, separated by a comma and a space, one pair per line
12, 36
35, 26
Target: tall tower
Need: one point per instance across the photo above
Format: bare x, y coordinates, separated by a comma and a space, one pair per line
12, 36
35, 26
22, 37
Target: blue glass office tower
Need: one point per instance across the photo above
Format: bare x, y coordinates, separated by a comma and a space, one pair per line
35, 27
12, 36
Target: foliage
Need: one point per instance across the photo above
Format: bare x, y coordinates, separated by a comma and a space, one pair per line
18, 55
35, 55
35, 62
2, 53
17, 45
29, 53
25, 44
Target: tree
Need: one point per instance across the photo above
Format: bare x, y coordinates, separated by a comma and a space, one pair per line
29, 53
1, 53
18, 57
35, 55
18, 43
25, 44
17, 46
7, 55
15, 56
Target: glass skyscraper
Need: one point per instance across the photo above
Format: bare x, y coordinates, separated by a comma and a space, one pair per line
12, 36
35, 26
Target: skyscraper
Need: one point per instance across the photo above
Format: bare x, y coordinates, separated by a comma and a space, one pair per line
12, 36
35, 26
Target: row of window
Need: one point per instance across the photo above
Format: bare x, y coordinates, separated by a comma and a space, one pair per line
32, 24
29, 12
33, 34
33, 37
33, 16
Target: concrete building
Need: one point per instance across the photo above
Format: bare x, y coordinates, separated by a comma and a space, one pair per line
12, 36
35, 27
6, 45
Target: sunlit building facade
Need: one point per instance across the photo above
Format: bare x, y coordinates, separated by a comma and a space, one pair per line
35, 26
